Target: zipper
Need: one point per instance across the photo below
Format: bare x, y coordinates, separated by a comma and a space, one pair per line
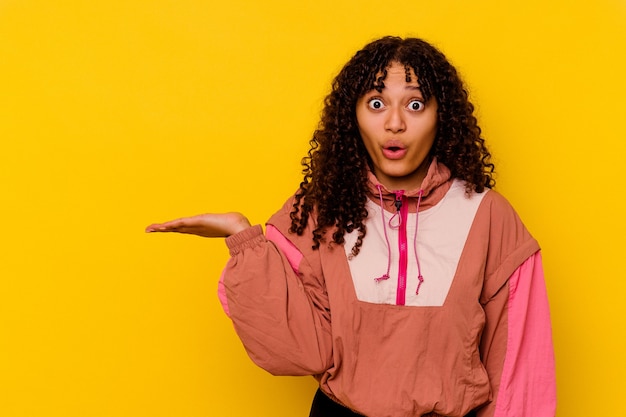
402, 208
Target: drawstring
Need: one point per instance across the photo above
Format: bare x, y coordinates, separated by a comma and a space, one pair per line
420, 278
382, 214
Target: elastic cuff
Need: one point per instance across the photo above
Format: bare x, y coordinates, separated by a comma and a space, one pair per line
247, 238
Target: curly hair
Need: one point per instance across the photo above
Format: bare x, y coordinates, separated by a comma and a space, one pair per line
335, 168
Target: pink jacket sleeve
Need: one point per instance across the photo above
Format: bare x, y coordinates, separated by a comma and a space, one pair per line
517, 346
278, 306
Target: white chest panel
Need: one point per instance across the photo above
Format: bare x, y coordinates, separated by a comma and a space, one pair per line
441, 236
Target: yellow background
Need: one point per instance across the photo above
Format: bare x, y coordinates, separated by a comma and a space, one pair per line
115, 114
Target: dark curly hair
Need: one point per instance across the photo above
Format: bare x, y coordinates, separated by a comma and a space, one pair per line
335, 170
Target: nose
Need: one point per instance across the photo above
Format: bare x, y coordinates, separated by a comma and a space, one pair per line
395, 120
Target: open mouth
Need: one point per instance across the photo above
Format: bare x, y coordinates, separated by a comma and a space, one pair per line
394, 152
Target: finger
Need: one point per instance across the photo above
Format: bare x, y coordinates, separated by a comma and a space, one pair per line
152, 228
170, 226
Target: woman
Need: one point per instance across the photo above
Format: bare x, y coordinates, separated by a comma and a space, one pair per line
394, 275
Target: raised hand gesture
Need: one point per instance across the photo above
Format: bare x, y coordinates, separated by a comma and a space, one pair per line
205, 225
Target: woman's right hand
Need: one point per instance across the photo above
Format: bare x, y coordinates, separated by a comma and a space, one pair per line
206, 225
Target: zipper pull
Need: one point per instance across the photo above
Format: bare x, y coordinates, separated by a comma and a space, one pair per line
398, 202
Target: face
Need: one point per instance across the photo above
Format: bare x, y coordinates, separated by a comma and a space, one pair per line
398, 129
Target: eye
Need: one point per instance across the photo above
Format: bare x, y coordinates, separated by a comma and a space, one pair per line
375, 104
416, 105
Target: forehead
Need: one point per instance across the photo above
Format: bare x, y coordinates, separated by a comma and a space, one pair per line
397, 68
396, 72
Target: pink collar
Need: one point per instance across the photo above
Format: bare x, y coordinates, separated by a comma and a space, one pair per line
434, 187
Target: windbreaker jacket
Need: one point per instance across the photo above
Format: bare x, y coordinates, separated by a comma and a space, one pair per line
443, 311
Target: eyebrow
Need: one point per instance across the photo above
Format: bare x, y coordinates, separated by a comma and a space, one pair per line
408, 87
